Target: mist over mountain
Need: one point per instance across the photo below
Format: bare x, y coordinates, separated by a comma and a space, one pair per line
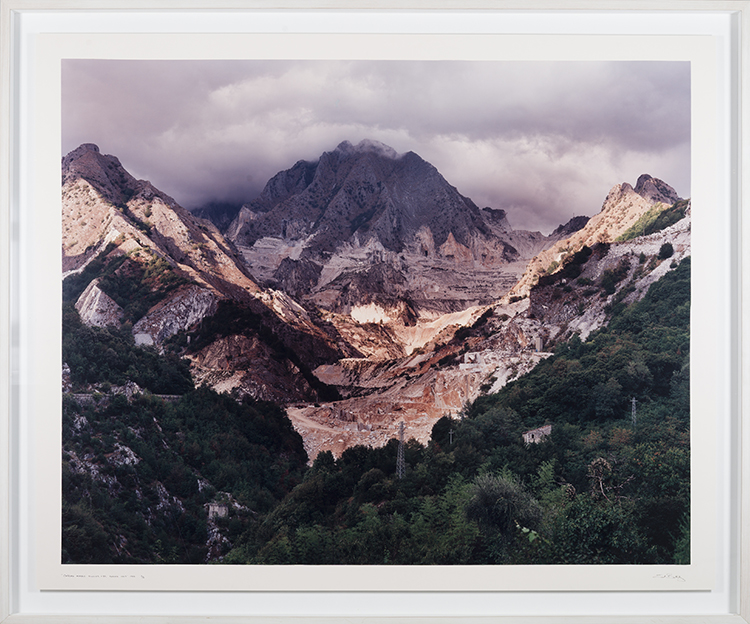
367, 191
220, 213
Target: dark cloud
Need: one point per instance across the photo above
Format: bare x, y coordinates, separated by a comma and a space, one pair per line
546, 141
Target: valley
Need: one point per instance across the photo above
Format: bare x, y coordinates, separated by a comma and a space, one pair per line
237, 395
403, 315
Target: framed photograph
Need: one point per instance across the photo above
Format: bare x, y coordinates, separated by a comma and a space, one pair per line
391, 312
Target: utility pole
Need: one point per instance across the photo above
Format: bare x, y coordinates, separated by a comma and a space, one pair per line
633, 411
400, 463
450, 434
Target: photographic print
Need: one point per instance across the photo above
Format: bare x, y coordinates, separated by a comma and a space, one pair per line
376, 312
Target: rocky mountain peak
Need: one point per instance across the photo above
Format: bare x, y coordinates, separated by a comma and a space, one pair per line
365, 191
104, 172
85, 160
282, 185
617, 193
367, 146
317, 226
655, 190
81, 150
622, 207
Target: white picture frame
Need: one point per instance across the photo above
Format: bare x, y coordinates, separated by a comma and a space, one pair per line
15, 606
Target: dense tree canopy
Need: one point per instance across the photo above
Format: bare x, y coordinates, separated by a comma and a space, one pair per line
606, 486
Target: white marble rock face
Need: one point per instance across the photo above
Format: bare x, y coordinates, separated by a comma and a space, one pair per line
96, 308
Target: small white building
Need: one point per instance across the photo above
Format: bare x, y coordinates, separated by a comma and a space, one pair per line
535, 436
218, 510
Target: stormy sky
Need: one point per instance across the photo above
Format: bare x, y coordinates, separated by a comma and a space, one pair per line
543, 140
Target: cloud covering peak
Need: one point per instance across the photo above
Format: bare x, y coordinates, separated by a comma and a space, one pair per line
367, 145
542, 140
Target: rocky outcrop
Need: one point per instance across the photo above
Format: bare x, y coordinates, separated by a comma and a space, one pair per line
246, 366
185, 308
622, 207
103, 204
96, 308
569, 228
655, 190
103, 172
184, 265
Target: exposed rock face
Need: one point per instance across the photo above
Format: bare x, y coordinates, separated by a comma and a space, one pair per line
106, 209
96, 308
104, 172
654, 190
246, 366
571, 227
103, 203
493, 346
417, 389
366, 189
582, 315
366, 216
184, 309
387, 296
622, 207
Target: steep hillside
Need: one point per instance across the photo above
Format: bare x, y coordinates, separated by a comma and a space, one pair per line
132, 255
604, 480
622, 208
148, 479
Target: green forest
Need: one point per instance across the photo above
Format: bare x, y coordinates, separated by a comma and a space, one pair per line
610, 484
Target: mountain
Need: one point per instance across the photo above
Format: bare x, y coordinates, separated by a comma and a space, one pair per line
219, 401
365, 190
132, 255
377, 324
622, 208
367, 232
103, 204
479, 352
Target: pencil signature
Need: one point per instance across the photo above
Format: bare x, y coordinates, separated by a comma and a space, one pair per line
674, 577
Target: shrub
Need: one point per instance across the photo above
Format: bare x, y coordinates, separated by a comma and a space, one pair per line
666, 251
501, 502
